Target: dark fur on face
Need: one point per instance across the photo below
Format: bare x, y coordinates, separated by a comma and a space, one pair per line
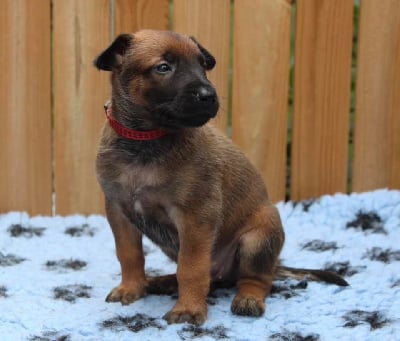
192, 192
166, 88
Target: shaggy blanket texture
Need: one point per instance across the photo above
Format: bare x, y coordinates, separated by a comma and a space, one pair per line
56, 271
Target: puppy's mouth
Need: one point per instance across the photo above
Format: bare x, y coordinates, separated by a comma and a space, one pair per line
197, 120
172, 120
190, 117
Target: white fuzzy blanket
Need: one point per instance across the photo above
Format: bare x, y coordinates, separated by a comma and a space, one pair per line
56, 271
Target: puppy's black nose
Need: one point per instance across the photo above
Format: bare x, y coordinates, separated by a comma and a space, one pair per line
206, 95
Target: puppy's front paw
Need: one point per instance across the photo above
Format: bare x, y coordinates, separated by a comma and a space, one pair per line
126, 294
247, 306
193, 315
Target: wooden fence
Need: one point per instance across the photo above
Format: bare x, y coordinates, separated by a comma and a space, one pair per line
52, 96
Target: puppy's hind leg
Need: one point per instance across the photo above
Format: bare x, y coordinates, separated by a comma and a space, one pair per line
259, 249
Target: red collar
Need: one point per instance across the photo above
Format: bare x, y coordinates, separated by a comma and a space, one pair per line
131, 134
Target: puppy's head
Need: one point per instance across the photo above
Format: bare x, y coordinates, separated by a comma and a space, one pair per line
164, 74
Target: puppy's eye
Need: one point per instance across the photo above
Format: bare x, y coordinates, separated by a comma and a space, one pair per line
163, 68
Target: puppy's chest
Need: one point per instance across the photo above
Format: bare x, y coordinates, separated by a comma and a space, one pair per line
142, 191
146, 201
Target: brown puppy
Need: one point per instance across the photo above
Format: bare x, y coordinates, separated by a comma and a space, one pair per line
185, 186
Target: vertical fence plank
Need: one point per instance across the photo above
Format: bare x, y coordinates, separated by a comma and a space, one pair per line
133, 15
81, 31
25, 129
209, 22
321, 97
377, 126
260, 87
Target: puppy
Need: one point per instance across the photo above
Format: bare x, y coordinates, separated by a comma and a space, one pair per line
170, 176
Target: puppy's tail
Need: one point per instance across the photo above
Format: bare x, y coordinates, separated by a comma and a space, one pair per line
283, 272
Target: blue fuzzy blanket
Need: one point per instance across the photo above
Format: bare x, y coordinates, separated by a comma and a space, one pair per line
56, 271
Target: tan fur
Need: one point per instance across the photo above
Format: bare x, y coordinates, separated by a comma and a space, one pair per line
201, 200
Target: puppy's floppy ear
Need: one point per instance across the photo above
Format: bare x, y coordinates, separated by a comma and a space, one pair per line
210, 60
111, 57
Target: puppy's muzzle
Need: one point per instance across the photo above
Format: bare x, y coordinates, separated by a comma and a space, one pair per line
195, 105
204, 101
204, 106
